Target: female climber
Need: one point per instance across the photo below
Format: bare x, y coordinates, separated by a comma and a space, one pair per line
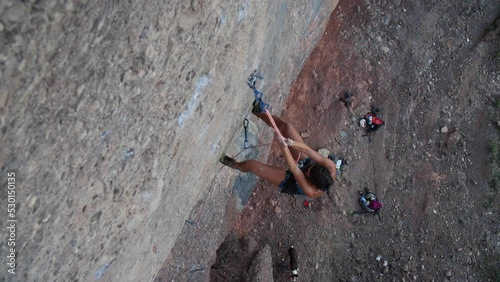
311, 176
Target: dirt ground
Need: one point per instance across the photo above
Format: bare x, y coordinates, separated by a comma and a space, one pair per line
433, 70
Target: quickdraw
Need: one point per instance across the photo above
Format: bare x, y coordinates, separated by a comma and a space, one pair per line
245, 127
251, 80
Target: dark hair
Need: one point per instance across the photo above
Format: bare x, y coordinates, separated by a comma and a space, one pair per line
320, 177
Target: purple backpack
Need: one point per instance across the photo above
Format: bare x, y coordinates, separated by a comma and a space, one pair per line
375, 205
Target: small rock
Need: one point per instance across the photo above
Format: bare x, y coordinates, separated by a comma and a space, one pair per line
129, 153
452, 138
69, 6
46, 218
385, 49
448, 273
250, 245
250, 208
127, 76
357, 270
444, 129
100, 272
304, 134
324, 152
277, 210
271, 202
16, 12
32, 202
80, 89
385, 270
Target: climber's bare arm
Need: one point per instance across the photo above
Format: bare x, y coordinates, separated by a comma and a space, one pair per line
309, 189
316, 157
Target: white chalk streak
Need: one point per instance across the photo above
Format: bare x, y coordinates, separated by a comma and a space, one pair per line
201, 83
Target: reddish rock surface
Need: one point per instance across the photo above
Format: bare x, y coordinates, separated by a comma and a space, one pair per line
425, 65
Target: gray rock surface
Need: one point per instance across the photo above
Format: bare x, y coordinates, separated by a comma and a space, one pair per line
261, 269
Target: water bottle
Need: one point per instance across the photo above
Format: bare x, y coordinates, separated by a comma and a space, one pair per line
337, 165
294, 266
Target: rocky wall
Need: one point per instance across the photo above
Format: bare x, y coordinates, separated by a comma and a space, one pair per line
113, 116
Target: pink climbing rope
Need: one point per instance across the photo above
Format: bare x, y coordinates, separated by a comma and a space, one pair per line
273, 123
278, 131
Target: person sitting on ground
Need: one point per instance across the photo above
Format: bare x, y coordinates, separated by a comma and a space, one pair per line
371, 121
312, 176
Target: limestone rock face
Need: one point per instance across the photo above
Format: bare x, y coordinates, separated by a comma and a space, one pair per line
113, 115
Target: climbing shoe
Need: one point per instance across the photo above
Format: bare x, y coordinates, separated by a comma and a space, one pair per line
230, 162
257, 107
